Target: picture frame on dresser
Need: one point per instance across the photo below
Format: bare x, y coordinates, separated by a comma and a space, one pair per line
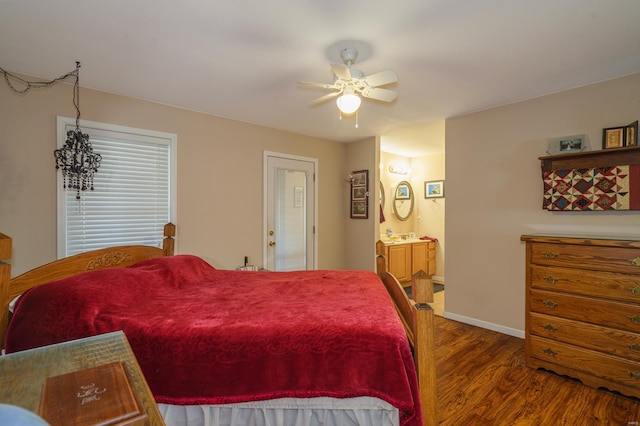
567, 144
631, 134
613, 137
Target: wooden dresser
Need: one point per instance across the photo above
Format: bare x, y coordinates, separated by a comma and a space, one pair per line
583, 309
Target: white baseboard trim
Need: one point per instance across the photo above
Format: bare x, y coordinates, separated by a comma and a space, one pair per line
438, 279
484, 324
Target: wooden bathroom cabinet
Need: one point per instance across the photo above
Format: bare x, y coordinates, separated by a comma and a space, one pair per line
403, 259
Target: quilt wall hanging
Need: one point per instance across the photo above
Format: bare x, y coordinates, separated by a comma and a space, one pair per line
592, 189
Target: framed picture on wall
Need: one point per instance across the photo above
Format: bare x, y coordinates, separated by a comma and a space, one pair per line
434, 189
360, 194
359, 209
360, 178
402, 192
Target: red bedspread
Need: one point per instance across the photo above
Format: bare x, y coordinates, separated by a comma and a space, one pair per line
207, 336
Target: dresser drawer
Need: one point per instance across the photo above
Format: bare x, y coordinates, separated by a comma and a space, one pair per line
607, 313
612, 259
594, 363
587, 282
616, 342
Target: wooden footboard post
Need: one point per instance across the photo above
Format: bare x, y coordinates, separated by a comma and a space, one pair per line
426, 363
5, 278
381, 262
168, 242
422, 287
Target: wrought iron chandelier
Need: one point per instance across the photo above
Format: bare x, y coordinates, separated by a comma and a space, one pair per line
76, 158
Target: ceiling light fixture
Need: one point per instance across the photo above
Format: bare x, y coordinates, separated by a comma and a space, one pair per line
76, 158
349, 102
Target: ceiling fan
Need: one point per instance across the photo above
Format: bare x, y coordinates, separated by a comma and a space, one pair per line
349, 84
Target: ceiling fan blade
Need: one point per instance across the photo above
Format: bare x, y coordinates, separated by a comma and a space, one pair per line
324, 98
381, 78
341, 71
320, 85
379, 94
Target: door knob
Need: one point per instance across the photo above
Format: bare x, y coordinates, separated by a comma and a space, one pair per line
272, 243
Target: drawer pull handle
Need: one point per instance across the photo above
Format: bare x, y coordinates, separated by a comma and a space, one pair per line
634, 375
634, 347
550, 255
635, 290
635, 319
553, 353
551, 280
552, 329
551, 304
635, 262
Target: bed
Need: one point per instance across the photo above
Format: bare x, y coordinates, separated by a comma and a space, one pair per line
303, 347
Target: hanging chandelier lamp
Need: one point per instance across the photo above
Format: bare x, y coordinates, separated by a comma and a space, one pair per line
76, 158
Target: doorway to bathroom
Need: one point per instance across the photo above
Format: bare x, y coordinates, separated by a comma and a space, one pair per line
289, 212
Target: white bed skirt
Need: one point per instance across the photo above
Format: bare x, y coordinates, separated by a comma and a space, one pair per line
363, 411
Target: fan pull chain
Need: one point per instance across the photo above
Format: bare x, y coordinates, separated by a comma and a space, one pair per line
340, 116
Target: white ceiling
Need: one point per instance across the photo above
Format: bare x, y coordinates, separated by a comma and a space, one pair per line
241, 59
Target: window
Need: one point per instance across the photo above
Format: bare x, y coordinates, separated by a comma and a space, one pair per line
134, 194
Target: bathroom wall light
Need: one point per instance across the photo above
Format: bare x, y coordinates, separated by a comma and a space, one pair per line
399, 170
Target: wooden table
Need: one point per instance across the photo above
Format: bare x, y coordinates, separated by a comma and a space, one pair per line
23, 373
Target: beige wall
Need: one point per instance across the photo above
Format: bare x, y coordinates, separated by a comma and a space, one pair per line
361, 233
493, 186
390, 182
430, 213
494, 194
219, 176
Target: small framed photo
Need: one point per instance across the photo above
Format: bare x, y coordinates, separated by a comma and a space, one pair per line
359, 178
359, 209
358, 193
631, 134
434, 189
613, 137
567, 144
402, 192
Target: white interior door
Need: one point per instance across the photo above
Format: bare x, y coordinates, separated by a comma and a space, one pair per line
290, 213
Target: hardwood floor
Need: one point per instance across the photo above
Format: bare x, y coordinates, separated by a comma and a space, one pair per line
482, 380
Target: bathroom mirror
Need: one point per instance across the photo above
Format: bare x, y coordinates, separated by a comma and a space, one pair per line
381, 195
403, 200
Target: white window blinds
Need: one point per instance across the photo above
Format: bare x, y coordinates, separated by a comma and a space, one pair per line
134, 191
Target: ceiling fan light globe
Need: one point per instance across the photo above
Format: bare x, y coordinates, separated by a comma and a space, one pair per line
349, 103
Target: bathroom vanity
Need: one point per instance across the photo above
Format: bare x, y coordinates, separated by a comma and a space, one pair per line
403, 258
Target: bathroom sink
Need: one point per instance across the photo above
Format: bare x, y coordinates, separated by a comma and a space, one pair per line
401, 241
